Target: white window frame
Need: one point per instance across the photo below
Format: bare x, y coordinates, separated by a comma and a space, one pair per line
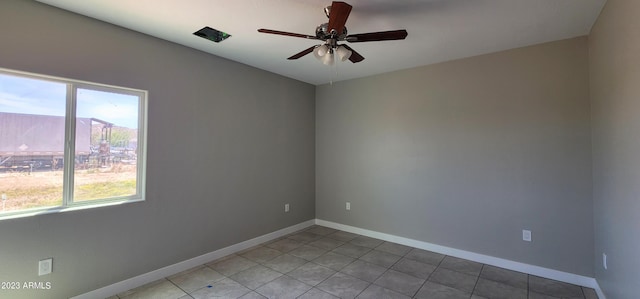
69, 149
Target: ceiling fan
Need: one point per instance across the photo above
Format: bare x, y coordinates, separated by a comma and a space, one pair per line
335, 31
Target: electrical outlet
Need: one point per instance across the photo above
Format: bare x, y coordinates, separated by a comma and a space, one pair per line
348, 206
604, 260
45, 266
286, 207
526, 235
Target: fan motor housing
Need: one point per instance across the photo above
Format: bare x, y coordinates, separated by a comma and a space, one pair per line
322, 32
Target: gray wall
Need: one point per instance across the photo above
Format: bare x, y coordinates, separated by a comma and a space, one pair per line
229, 145
463, 154
466, 154
614, 67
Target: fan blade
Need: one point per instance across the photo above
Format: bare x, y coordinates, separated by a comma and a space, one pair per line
338, 16
286, 33
355, 56
304, 52
377, 36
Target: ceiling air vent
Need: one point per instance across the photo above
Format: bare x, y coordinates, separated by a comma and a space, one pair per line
212, 34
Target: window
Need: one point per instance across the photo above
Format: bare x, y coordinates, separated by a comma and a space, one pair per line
67, 144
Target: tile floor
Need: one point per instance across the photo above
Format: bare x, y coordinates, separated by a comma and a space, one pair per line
321, 262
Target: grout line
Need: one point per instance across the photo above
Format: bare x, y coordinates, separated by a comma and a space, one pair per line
177, 286
528, 290
477, 280
430, 274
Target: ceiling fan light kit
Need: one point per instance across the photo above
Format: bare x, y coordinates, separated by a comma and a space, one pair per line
326, 54
335, 31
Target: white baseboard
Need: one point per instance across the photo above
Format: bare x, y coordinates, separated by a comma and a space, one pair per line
472, 256
152, 276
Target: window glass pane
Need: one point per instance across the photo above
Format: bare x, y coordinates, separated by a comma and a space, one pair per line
32, 128
106, 145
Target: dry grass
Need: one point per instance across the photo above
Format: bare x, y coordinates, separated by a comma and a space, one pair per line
44, 189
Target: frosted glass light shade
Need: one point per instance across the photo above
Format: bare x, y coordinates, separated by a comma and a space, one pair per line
320, 51
328, 58
343, 53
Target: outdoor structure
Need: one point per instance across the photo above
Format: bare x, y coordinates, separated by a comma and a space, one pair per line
29, 141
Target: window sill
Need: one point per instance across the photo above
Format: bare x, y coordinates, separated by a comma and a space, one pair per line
75, 207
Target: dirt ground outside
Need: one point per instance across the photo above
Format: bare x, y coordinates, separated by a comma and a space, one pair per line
24, 190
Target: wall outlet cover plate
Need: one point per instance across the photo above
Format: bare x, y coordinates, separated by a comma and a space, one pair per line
526, 235
45, 266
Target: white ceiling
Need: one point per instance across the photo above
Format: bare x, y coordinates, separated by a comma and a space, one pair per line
439, 30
